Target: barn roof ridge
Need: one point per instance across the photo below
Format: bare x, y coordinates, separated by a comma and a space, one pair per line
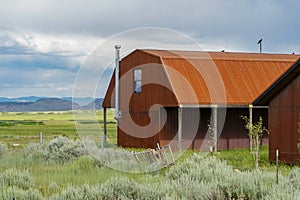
216, 55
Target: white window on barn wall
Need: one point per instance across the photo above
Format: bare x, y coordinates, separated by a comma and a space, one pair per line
137, 80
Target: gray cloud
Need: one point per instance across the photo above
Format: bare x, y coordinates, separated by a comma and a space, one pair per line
53, 37
22, 43
50, 82
227, 21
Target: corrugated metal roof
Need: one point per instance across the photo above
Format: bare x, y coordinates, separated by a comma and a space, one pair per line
280, 83
222, 77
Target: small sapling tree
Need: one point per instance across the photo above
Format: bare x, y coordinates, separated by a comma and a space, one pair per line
256, 132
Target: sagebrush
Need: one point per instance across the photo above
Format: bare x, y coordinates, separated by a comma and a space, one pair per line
3, 149
197, 177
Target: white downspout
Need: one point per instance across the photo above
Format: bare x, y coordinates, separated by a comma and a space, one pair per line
117, 87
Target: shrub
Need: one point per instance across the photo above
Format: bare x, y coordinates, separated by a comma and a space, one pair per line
16, 178
217, 180
61, 149
294, 178
32, 148
282, 192
187, 188
79, 193
3, 149
122, 160
33, 154
85, 163
194, 178
116, 188
124, 188
20, 194
116, 159
200, 169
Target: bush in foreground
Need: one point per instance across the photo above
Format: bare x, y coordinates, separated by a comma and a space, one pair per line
18, 184
20, 194
17, 178
116, 188
195, 178
60, 150
3, 149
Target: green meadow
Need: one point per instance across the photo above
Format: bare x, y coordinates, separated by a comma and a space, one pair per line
25, 127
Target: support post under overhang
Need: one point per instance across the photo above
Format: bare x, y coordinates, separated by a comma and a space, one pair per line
250, 124
215, 126
104, 125
180, 129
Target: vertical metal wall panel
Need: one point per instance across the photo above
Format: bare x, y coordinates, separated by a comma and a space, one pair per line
136, 139
233, 135
136, 106
152, 72
170, 128
283, 122
156, 88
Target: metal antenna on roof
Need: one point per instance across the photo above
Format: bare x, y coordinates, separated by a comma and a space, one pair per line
260, 45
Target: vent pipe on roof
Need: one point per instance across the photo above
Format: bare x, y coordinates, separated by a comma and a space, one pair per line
117, 87
260, 45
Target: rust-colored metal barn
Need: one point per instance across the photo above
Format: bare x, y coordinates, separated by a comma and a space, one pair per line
283, 99
192, 99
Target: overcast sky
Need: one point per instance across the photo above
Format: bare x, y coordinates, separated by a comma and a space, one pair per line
44, 44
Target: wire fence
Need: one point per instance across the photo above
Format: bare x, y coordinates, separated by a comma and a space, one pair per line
162, 155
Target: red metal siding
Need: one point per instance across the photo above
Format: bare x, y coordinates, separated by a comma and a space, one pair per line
233, 135
194, 127
170, 128
283, 122
156, 87
109, 98
204, 120
135, 107
137, 137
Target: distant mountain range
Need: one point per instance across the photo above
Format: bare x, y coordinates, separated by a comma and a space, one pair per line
81, 100
33, 103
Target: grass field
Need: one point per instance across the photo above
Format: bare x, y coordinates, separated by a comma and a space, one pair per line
52, 177
23, 128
